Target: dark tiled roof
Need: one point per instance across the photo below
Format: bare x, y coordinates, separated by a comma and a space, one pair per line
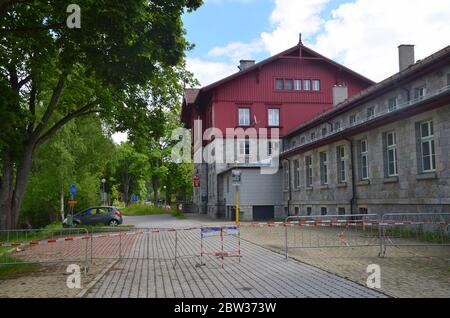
360, 97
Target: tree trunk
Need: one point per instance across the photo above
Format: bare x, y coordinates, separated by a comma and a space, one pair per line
6, 190
11, 194
126, 190
155, 190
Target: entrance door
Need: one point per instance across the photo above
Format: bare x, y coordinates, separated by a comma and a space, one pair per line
263, 213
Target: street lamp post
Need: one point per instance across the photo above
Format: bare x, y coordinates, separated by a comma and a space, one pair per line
237, 182
104, 193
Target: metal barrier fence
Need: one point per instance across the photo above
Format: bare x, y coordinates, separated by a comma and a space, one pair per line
162, 244
34, 246
330, 231
414, 230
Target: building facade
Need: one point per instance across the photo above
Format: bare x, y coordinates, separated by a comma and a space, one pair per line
386, 150
279, 93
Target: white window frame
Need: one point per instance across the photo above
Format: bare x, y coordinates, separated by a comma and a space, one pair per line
298, 85
297, 174
316, 85
429, 141
351, 121
422, 89
337, 126
308, 171
285, 84
307, 85
286, 180
273, 117
392, 106
391, 148
244, 116
370, 113
277, 80
323, 167
342, 173
364, 155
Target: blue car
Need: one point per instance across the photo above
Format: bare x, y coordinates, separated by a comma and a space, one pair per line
108, 215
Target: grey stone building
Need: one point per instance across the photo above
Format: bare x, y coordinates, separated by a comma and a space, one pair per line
386, 150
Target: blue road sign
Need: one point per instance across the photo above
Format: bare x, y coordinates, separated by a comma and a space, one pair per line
73, 189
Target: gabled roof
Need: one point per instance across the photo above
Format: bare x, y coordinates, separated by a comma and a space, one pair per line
191, 96
373, 91
301, 47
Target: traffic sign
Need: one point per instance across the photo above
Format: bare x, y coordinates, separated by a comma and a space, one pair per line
196, 181
71, 202
236, 176
73, 189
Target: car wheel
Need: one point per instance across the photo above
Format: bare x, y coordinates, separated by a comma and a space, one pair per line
113, 223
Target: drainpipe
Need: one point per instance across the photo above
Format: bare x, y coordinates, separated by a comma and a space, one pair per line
289, 186
353, 200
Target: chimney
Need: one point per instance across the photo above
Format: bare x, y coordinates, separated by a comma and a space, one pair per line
245, 64
340, 94
405, 56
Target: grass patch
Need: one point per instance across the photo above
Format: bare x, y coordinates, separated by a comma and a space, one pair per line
14, 271
141, 209
419, 234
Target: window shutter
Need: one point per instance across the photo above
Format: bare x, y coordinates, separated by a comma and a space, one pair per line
419, 149
385, 156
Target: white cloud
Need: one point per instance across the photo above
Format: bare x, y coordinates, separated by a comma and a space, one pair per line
289, 18
364, 35
237, 51
208, 72
361, 34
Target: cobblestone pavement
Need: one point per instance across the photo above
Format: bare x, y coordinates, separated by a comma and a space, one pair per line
150, 270
405, 271
103, 247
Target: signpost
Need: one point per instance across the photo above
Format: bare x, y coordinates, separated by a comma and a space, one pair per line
236, 176
196, 181
73, 191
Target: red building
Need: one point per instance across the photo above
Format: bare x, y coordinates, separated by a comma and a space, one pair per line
282, 91
298, 82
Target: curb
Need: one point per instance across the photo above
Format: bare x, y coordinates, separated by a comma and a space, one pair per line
85, 290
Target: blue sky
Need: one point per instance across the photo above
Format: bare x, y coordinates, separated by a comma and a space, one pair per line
361, 34
219, 22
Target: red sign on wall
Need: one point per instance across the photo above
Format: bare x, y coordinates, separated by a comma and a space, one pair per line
196, 181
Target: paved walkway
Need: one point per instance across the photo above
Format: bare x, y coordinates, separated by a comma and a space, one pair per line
150, 270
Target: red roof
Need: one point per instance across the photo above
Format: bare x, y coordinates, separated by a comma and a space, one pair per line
189, 94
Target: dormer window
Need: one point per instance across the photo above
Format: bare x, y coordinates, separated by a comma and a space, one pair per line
288, 85
279, 84
316, 85
307, 85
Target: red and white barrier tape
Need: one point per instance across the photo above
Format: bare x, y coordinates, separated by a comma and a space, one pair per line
331, 223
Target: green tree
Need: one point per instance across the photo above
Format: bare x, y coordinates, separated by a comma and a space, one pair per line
78, 154
50, 74
131, 170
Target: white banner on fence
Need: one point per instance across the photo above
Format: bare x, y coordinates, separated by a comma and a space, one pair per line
231, 230
210, 231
